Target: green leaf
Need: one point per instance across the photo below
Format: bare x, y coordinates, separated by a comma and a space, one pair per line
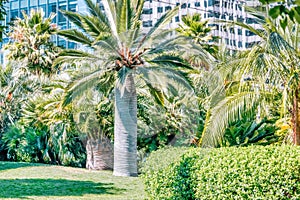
283, 22
275, 11
76, 36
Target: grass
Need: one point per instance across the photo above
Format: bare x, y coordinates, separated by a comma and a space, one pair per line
38, 181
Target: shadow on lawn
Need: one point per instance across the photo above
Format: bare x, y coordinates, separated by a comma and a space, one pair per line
15, 165
23, 188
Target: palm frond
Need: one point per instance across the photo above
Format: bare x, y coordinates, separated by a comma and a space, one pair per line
79, 86
161, 22
76, 36
72, 55
164, 78
110, 9
226, 111
125, 15
95, 10
73, 17
93, 26
171, 60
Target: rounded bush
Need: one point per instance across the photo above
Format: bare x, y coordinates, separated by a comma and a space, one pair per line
254, 172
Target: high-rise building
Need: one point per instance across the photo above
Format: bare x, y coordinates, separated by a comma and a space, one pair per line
15, 8
234, 38
213, 10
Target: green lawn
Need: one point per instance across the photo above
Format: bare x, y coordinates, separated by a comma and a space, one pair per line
37, 181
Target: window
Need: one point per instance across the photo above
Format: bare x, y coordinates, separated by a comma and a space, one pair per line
72, 7
24, 3
33, 2
168, 8
240, 44
239, 31
147, 23
183, 5
159, 9
250, 21
52, 8
61, 17
71, 45
14, 14
197, 4
240, 19
177, 19
147, 11
62, 43
249, 33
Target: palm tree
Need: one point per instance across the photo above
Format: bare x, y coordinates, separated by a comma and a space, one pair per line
267, 69
193, 26
116, 44
31, 44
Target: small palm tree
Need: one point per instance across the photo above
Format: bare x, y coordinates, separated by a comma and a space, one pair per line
193, 26
116, 44
266, 70
31, 45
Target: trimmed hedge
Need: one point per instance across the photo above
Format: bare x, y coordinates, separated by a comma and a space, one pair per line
153, 170
254, 172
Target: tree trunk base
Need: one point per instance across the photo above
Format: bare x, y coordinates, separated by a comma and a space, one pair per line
99, 154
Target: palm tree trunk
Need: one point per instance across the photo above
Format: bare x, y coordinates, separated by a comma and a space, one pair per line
296, 118
99, 154
125, 129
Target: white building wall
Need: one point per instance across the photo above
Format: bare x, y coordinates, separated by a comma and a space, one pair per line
234, 38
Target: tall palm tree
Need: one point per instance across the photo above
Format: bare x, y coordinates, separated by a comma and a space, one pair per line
114, 41
268, 68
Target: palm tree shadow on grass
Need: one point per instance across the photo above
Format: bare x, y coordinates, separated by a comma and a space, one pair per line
15, 165
24, 188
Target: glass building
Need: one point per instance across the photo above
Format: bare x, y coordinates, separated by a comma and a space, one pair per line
15, 8
234, 38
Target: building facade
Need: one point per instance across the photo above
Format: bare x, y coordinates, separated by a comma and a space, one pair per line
234, 38
15, 8
214, 10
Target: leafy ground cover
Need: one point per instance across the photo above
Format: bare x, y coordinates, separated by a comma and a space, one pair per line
39, 181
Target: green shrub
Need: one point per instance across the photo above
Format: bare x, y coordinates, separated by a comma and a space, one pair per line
254, 172
154, 173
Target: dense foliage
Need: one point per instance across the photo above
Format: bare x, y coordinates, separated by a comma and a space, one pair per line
254, 172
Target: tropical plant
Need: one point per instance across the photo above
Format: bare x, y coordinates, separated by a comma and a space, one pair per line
286, 9
267, 69
120, 48
51, 130
193, 26
30, 43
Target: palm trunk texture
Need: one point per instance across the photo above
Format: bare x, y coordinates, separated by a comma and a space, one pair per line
99, 154
125, 131
296, 118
